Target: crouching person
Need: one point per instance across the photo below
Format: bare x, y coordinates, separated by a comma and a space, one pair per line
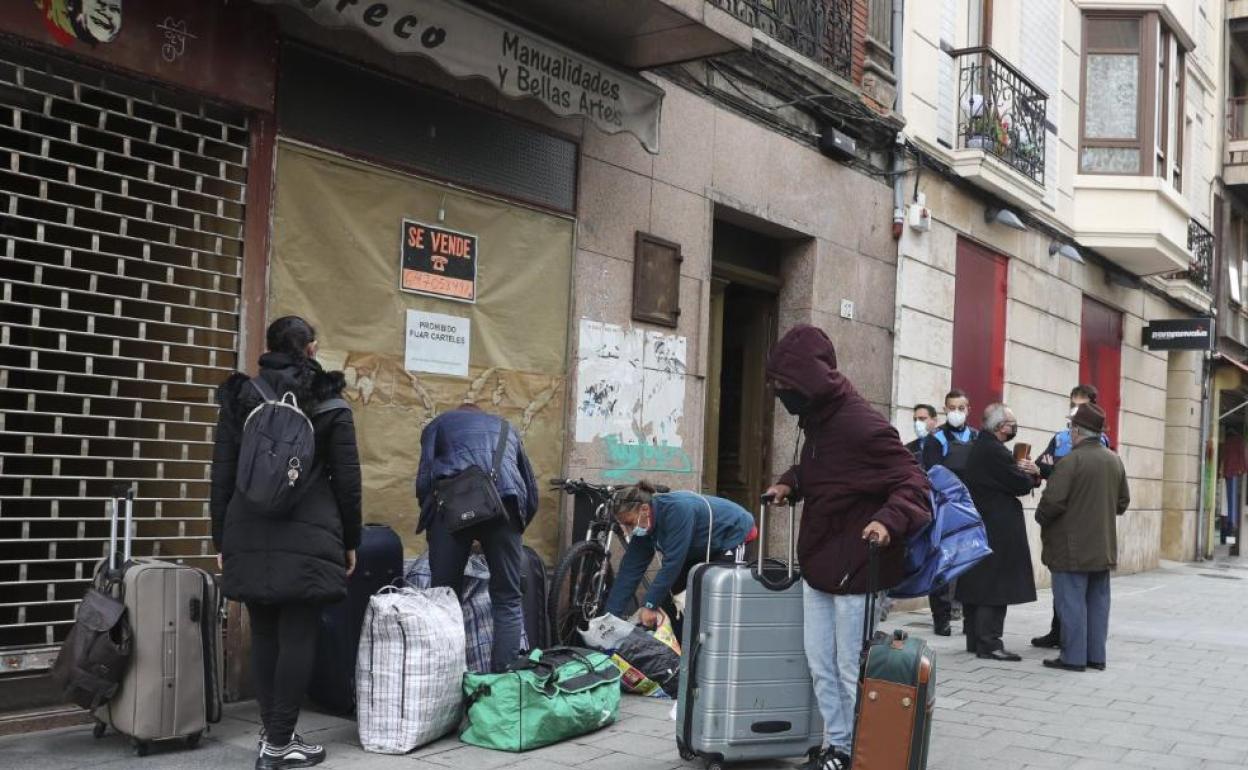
470, 440
679, 525
859, 483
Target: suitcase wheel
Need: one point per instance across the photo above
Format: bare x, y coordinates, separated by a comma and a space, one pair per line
714, 765
142, 748
98, 730
192, 740
687, 754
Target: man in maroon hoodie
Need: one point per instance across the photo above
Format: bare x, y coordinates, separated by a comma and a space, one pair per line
858, 482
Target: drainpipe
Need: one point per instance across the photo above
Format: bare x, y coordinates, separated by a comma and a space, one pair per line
899, 156
899, 205
1206, 416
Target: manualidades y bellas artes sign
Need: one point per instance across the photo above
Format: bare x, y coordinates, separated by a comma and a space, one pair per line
439, 262
469, 42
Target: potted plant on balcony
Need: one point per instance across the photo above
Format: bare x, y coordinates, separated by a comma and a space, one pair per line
1026, 152
987, 132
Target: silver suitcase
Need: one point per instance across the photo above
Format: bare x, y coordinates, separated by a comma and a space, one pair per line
172, 687
745, 691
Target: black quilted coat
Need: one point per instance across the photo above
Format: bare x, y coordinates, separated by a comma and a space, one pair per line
301, 556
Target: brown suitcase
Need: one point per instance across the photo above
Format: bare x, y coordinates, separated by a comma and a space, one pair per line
896, 696
172, 687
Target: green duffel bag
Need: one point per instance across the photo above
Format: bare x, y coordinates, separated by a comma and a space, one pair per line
544, 698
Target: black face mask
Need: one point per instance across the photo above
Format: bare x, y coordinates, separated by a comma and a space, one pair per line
1011, 435
794, 402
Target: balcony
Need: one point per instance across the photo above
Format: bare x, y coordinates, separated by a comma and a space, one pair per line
1194, 286
820, 30
1236, 171
1001, 124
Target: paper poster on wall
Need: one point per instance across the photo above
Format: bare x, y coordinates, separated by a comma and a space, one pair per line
437, 343
630, 385
439, 262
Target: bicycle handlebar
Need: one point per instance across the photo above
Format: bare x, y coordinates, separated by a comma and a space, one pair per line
574, 486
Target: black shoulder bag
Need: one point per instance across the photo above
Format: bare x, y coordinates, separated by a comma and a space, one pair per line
471, 496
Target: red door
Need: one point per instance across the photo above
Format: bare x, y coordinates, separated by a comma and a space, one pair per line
979, 326
1100, 359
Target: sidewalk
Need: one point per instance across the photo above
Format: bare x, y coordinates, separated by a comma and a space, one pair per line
1174, 697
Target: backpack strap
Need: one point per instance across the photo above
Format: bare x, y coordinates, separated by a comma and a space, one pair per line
263, 388
500, 449
329, 405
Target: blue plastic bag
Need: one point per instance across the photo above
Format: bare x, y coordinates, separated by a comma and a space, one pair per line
952, 542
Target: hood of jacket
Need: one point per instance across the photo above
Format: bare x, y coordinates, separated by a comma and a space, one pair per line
304, 377
805, 360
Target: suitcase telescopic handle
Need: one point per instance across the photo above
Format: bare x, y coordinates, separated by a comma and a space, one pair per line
760, 566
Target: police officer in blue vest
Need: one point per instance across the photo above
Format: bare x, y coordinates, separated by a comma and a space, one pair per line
1060, 446
950, 446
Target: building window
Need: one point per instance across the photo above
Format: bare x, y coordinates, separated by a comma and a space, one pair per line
1133, 93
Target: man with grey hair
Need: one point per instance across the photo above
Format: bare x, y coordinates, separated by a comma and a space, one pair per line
996, 482
1078, 527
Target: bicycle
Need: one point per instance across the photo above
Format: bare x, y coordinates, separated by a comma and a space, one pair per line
583, 578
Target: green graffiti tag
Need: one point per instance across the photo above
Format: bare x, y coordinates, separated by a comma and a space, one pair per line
629, 461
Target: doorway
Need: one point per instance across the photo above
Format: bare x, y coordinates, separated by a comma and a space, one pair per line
744, 307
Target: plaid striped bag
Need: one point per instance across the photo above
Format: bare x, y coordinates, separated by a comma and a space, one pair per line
478, 611
409, 669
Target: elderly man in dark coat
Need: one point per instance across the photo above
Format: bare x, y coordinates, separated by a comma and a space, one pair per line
996, 481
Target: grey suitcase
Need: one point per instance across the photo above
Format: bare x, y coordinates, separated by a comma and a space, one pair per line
172, 687
745, 691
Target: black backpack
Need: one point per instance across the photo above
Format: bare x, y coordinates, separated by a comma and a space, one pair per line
276, 454
471, 496
96, 653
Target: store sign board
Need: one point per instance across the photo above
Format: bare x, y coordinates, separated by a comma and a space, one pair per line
437, 343
439, 262
468, 42
1179, 334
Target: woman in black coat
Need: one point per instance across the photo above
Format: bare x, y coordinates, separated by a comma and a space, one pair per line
996, 481
286, 566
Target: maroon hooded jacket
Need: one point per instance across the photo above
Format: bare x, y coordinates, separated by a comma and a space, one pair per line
853, 470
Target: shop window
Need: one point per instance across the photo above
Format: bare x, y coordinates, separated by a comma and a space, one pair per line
1133, 94
1100, 359
979, 326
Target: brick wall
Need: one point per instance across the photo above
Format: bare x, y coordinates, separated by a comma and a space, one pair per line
859, 40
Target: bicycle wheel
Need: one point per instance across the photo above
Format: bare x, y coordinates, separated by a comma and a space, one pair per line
575, 599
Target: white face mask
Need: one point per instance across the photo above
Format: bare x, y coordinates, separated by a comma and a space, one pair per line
956, 419
920, 428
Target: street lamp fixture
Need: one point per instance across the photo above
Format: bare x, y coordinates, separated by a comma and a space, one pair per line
1066, 250
994, 216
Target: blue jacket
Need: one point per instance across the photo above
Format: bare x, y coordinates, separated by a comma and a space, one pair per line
679, 533
1060, 446
468, 436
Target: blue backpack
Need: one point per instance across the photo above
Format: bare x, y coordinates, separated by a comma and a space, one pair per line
950, 544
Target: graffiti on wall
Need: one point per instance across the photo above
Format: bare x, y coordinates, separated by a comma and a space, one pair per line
631, 397
629, 462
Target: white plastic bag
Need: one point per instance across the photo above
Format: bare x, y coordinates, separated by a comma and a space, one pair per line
605, 632
409, 669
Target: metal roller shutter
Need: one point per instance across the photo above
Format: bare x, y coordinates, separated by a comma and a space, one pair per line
121, 237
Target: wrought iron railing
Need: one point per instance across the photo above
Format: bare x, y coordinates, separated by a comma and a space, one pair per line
1200, 243
1000, 111
821, 30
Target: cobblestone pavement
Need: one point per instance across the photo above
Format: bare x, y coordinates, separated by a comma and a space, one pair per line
1175, 696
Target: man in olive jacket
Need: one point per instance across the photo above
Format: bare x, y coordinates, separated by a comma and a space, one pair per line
1077, 517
